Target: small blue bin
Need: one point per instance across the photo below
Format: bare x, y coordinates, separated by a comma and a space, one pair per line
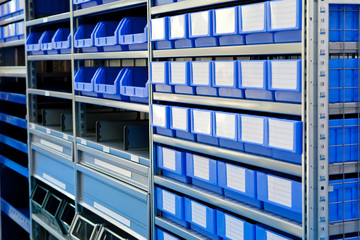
20, 30
163, 2
163, 235
106, 36
84, 39
11, 33
171, 206
172, 163
284, 19
201, 29
2, 35
179, 77
230, 227
46, 44
280, 195
161, 120
179, 31
160, 33
33, 43
180, 122
254, 79
84, 81
107, 82
343, 140
133, 33
62, 40
285, 79
343, 200
227, 130
159, 76
227, 23
265, 234
203, 172
87, 3
254, 23
344, 23
202, 124
134, 83
226, 79
202, 218
239, 183
201, 77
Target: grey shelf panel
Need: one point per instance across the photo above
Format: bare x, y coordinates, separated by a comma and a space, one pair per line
340, 168
346, 227
178, 229
13, 19
53, 186
112, 55
49, 57
236, 207
343, 47
241, 157
112, 103
13, 71
185, 5
12, 43
50, 93
344, 108
53, 131
262, 106
243, 50
39, 220
117, 5
50, 19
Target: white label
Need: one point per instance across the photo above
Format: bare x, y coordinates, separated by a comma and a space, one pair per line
279, 191
225, 20
200, 23
201, 167
48, 131
51, 145
47, 93
201, 73
202, 122
169, 237
45, 20
158, 72
281, 134
273, 236
54, 181
134, 158
284, 75
177, 27
159, 115
169, 159
224, 74
235, 177
169, 202
112, 214
253, 17
283, 14
179, 118
106, 149
198, 214
66, 137
158, 29
178, 73
252, 74
226, 125
234, 228
113, 168
31, 125
252, 129
83, 141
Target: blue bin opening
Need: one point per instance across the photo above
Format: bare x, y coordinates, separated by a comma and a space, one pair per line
62, 40
135, 84
45, 41
83, 81
133, 32
106, 36
84, 38
33, 43
107, 82
87, 3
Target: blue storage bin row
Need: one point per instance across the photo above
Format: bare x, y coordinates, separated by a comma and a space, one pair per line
49, 42
90, 3
275, 194
260, 23
11, 8
12, 32
272, 137
125, 84
344, 200
344, 23
163, 2
343, 80
210, 222
269, 80
344, 140
129, 34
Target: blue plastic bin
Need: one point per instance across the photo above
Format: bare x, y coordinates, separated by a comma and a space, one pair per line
202, 218
180, 122
160, 33
163, 235
265, 234
172, 162
285, 20
179, 77
239, 183
84, 39
285, 79
84, 81
179, 31
201, 29
45, 7
106, 35
227, 130
11, 32
203, 172
230, 227
159, 76
133, 33
285, 139
134, 83
20, 30
280, 195
33, 44
344, 23
202, 124
343, 140
171, 206
343, 80
87, 3
163, 2
62, 40
343, 200
1, 35
226, 79
161, 120
201, 77
227, 23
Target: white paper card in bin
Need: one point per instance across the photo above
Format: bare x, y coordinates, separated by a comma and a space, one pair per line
169, 237
283, 14
201, 167
252, 74
252, 129
225, 20
158, 72
169, 202
179, 118
281, 134
279, 191
284, 75
158, 29
234, 228
169, 159
201, 73
200, 23
177, 27
253, 17
225, 125
272, 236
198, 214
202, 122
159, 115
224, 74
235, 177
178, 72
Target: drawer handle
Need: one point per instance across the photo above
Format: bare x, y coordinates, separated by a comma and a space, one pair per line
121, 219
51, 145
113, 168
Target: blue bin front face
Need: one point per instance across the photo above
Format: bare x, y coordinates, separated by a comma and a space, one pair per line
162, 235
226, 21
32, 41
202, 74
160, 116
253, 18
84, 36
180, 119
253, 75
105, 34
200, 24
226, 74
106, 81
226, 125
159, 29
45, 40
179, 27
344, 23
62, 39
264, 234
83, 79
253, 129
284, 15
285, 75
202, 122
171, 160
159, 73
200, 216
230, 227
179, 73
170, 203
201, 168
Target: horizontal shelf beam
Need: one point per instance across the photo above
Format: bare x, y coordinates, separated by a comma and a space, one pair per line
243, 50
343, 2
46, 93
344, 168
48, 20
14, 143
38, 219
16, 215
14, 166
13, 19
117, 5
343, 47
13, 71
254, 160
262, 106
247, 211
344, 108
12, 43
344, 227
49, 57
15, 121
13, 97
112, 55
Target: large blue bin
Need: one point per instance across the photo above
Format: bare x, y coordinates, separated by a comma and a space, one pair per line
230, 227
134, 83
201, 29
46, 44
264, 234
62, 40
179, 31
179, 77
84, 38
33, 43
160, 33
344, 23
106, 36
84, 81
133, 33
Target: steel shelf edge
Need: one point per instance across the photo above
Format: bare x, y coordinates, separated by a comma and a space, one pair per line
33, 128
54, 186
50, 19
47, 93
49, 57
112, 55
12, 43
15, 215
48, 228
13, 71
12, 19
